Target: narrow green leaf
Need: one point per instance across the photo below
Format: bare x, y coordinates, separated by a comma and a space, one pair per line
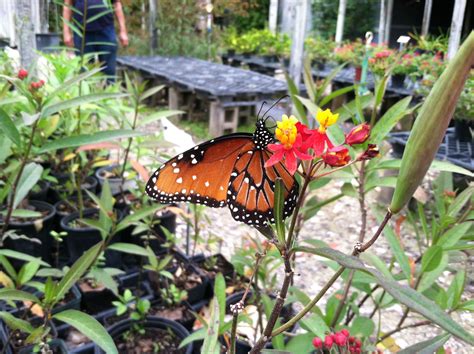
220, 295
310, 106
24, 213
211, 341
79, 140
90, 327
431, 258
279, 199
460, 201
453, 235
99, 15
200, 334
428, 346
336, 93
389, 120
78, 101
150, 92
71, 82
22, 257
16, 323
138, 215
9, 128
129, 248
159, 115
17, 295
316, 325
77, 270
29, 178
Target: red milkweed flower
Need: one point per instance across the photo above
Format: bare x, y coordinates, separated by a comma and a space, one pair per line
317, 342
371, 152
328, 342
340, 339
337, 156
22, 74
358, 134
291, 145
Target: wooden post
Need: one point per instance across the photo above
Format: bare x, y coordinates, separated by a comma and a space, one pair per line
273, 16
425, 26
44, 16
456, 27
341, 14
388, 21
25, 32
381, 36
297, 46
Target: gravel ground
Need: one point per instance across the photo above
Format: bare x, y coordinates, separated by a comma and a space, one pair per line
338, 225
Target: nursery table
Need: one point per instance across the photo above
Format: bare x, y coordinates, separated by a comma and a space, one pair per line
225, 89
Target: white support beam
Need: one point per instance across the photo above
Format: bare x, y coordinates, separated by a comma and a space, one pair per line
152, 26
297, 46
273, 16
425, 26
341, 15
388, 21
381, 36
456, 27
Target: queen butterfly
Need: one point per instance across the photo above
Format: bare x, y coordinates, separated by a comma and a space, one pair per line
228, 170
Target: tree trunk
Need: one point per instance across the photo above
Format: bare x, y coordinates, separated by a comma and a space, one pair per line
341, 15
456, 27
425, 26
25, 33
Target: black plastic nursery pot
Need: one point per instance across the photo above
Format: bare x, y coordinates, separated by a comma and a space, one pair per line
117, 185
40, 191
153, 326
219, 264
241, 346
398, 80
58, 192
16, 344
75, 342
38, 229
462, 130
79, 240
96, 300
48, 42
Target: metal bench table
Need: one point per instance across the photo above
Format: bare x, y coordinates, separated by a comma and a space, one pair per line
226, 89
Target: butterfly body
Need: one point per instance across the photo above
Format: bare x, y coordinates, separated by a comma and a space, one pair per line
227, 171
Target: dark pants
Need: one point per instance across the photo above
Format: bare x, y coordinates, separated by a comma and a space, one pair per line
104, 43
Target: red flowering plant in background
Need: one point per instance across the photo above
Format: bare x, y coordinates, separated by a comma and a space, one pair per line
296, 142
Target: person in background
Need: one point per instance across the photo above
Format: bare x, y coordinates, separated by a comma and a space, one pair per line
100, 33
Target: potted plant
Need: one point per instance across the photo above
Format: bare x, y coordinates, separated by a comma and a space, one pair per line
319, 50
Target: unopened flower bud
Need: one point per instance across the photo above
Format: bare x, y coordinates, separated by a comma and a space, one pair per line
317, 342
328, 342
337, 156
358, 134
22, 74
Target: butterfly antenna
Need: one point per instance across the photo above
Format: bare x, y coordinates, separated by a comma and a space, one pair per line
273, 119
274, 104
260, 110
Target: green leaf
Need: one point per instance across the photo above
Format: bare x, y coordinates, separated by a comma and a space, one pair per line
138, 215
22, 257
381, 182
211, 342
24, 213
99, 15
456, 289
150, 92
428, 346
78, 101
30, 176
129, 248
362, 327
310, 106
429, 278
16, 323
404, 294
220, 295
316, 325
71, 82
467, 306
77, 270
335, 94
431, 258
27, 272
9, 128
79, 140
299, 109
200, 334
17, 295
389, 120
395, 246
90, 327
279, 198
444, 166
453, 235
301, 344
460, 201
349, 110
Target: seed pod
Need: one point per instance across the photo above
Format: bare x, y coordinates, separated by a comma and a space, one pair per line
431, 124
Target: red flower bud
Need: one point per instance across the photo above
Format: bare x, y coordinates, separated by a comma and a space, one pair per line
328, 342
371, 152
352, 340
358, 134
340, 339
337, 156
317, 342
357, 351
345, 332
358, 343
22, 74
41, 83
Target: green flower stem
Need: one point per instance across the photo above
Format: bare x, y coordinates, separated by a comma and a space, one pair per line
331, 281
24, 160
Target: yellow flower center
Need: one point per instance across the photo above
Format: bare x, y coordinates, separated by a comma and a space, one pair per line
286, 131
326, 118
